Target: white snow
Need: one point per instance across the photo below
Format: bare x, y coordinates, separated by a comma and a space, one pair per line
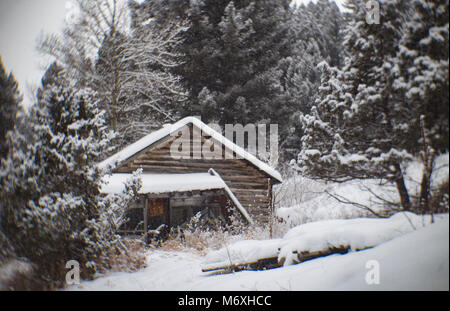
356, 234
323, 206
318, 204
415, 261
412, 253
163, 183
154, 137
242, 252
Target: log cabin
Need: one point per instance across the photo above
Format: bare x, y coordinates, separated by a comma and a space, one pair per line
174, 188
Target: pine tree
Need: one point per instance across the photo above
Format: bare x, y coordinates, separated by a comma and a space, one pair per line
257, 59
225, 47
9, 106
233, 49
54, 211
423, 81
422, 71
355, 130
111, 86
207, 103
317, 30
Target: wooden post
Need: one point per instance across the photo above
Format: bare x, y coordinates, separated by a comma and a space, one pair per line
169, 212
269, 194
145, 211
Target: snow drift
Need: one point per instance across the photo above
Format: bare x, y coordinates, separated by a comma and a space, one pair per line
319, 237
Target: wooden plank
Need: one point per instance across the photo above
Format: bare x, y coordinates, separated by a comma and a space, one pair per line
253, 191
204, 166
172, 161
145, 211
239, 165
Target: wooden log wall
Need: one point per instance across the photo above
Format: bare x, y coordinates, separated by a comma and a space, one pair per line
249, 184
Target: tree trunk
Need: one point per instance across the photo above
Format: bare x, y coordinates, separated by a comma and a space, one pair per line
424, 192
402, 191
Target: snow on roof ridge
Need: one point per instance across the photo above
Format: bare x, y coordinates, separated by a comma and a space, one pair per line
153, 137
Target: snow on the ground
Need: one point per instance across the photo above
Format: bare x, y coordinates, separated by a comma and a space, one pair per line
356, 234
166, 271
324, 206
410, 256
320, 205
418, 260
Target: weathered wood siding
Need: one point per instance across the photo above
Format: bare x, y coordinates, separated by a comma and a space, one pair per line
150, 211
251, 186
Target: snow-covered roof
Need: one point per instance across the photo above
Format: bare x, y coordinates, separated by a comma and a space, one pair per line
167, 183
163, 183
156, 136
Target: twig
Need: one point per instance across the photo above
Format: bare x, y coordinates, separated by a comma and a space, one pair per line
343, 200
383, 200
410, 222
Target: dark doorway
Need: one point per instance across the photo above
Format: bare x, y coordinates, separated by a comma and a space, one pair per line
158, 213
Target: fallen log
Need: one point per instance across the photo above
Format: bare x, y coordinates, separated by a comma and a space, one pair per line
261, 264
306, 255
273, 262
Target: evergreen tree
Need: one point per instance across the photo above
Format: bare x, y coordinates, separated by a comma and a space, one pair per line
255, 61
111, 86
317, 30
54, 211
356, 128
226, 49
9, 107
422, 80
422, 72
208, 104
233, 51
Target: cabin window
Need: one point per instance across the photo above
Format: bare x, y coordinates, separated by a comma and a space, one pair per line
180, 215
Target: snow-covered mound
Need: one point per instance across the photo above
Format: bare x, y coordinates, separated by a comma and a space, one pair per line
241, 252
318, 237
349, 234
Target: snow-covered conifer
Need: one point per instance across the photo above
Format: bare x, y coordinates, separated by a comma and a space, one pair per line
54, 211
355, 130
